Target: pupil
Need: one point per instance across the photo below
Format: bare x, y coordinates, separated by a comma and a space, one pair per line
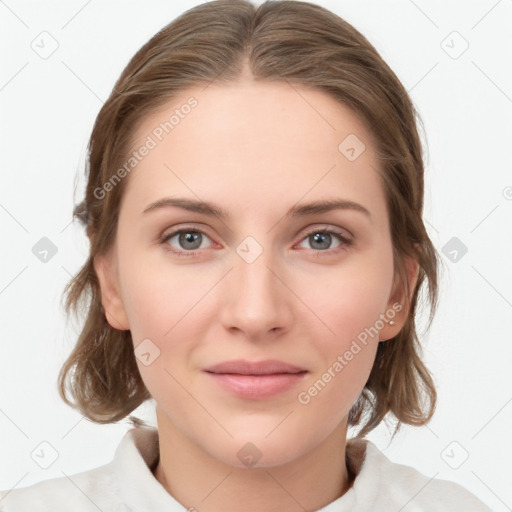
318, 238
190, 237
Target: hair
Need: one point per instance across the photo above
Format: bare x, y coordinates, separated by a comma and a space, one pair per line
281, 40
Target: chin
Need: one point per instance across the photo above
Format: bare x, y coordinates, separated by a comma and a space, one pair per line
252, 452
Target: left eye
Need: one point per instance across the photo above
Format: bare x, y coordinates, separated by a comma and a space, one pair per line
321, 239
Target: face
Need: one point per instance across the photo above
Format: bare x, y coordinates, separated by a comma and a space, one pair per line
312, 289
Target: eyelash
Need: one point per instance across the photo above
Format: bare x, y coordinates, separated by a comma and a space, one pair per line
345, 241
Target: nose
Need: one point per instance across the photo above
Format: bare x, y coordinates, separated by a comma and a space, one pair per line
257, 301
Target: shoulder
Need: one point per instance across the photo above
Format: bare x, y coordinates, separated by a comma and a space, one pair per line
102, 488
408, 489
91, 490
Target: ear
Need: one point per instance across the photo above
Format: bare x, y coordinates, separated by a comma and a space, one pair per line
106, 270
399, 302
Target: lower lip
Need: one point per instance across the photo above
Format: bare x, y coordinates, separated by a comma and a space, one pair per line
257, 386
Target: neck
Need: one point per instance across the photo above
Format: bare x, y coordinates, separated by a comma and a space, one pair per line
201, 482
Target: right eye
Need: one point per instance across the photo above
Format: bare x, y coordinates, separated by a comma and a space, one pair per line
188, 240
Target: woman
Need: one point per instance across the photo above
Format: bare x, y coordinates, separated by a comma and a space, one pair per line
254, 208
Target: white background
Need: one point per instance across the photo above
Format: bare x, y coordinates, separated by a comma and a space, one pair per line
48, 108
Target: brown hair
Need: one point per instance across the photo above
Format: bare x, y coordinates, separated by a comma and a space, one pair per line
290, 41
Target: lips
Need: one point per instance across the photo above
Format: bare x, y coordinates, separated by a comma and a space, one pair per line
267, 367
256, 380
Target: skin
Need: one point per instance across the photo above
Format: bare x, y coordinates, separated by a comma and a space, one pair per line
256, 149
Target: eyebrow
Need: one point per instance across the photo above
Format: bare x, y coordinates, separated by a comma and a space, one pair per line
298, 210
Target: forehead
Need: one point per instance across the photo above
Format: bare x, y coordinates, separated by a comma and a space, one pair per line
245, 140
257, 115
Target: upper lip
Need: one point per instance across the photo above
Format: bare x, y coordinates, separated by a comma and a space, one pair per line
243, 367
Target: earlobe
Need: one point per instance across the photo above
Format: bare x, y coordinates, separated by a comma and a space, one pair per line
110, 297
398, 305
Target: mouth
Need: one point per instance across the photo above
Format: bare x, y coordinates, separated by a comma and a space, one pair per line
256, 380
267, 367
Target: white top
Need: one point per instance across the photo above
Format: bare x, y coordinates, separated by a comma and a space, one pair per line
127, 484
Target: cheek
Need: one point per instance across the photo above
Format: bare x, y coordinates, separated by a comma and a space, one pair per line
159, 298
349, 300
169, 314
350, 304
351, 308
